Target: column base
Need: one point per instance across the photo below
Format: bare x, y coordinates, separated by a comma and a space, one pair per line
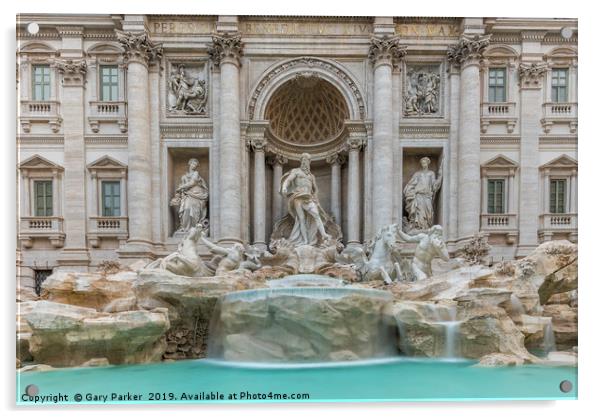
136, 250
260, 246
229, 240
525, 250
74, 260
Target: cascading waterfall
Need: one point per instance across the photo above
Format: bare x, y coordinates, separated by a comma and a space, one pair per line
549, 341
451, 326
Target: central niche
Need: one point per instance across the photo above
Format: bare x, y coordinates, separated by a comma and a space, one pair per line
307, 110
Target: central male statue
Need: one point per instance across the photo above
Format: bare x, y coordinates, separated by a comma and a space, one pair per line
308, 219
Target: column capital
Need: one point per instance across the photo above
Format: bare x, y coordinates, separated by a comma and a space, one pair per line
138, 47
531, 75
225, 48
336, 158
257, 144
386, 51
469, 50
277, 159
356, 143
73, 71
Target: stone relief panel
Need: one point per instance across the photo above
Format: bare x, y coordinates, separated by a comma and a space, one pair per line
187, 89
422, 90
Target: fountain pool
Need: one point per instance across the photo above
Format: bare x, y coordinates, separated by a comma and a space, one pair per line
393, 379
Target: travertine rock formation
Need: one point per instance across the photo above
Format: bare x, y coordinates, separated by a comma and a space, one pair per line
66, 335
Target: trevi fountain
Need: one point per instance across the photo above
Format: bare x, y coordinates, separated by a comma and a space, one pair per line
308, 305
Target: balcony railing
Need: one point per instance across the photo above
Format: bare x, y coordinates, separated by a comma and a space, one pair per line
563, 113
501, 224
498, 222
558, 221
496, 112
549, 224
107, 227
40, 111
50, 228
115, 112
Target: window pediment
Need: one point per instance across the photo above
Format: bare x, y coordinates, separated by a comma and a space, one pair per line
500, 165
107, 164
39, 163
559, 163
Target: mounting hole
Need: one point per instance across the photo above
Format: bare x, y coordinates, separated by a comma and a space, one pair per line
32, 390
33, 28
566, 32
566, 386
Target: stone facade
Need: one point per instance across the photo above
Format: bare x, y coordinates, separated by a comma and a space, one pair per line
366, 97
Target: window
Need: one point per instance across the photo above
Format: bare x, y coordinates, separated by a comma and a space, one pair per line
497, 85
495, 196
40, 275
109, 83
557, 196
41, 82
111, 199
43, 198
559, 84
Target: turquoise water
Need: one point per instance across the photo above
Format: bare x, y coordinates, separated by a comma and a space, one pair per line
395, 379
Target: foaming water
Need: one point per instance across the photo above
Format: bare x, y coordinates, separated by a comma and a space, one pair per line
308, 292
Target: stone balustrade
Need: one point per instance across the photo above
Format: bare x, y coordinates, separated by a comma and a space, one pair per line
559, 113
51, 228
501, 223
40, 111
107, 228
550, 224
108, 112
498, 112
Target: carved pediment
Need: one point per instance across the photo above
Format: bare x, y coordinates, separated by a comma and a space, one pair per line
37, 162
106, 163
104, 49
500, 162
37, 48
562, 162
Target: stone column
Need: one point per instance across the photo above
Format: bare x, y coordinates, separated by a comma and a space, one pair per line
225, 52
573, 202
467, 54
531, 77
382, 54
510, 207
484, 193
546, 191
355, 144
335, 160
139, 53
154, 74
75, 255
259, 197
452, 161
277, 161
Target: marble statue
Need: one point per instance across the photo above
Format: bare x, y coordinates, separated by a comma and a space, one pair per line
422, 93
430, 245
233, 258
191, 198
382, 262
189, 97
306, 222
419, 195
185, 261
